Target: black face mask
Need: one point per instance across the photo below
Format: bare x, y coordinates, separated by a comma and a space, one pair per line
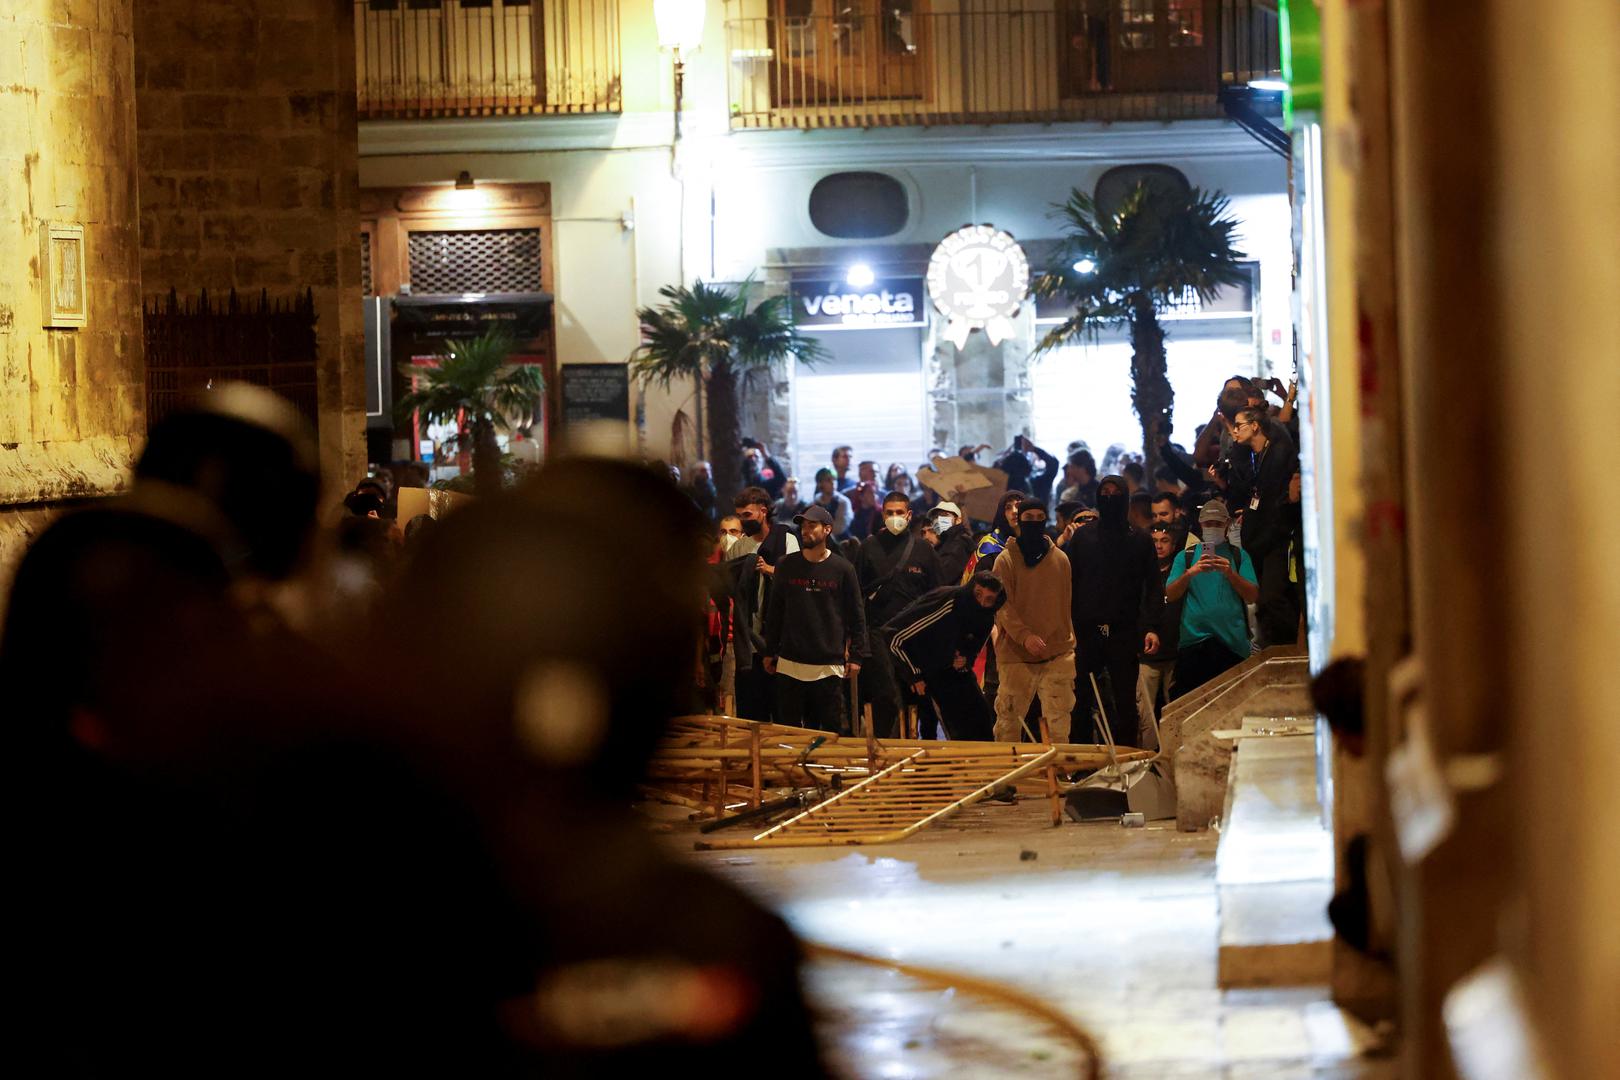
1112, 509
752, 526
1032, 541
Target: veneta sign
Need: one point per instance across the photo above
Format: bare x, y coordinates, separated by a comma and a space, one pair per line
836, 305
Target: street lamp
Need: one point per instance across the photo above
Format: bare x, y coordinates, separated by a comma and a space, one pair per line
680, 30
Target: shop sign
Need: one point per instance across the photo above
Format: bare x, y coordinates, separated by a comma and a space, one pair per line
832, 305
978, 278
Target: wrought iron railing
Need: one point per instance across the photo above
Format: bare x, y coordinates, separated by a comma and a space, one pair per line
1078, 60
431, 58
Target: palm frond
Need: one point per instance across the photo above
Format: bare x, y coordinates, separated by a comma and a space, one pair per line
705, 326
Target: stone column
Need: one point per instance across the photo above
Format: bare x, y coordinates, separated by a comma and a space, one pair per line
981, 392
249, 166
71, 400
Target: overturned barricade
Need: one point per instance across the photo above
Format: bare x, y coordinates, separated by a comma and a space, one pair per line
785, 786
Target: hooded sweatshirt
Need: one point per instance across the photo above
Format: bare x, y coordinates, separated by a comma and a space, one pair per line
936, 628
1038, 602
1115, 571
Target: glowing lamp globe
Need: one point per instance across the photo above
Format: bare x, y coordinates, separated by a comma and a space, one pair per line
680, 24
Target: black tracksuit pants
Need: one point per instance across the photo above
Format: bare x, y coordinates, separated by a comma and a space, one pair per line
1113, 654
955, 698
1198, 663
809, 704
880, 687
756, 694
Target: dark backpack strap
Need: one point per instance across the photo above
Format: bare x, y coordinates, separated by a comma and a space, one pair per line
896, 569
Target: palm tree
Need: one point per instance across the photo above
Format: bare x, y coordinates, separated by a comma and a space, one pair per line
1123, 269
475, 388
708, 332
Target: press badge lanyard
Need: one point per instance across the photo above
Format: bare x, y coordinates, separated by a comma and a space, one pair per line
1254, 475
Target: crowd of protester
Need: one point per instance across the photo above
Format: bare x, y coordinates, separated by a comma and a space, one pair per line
996, 628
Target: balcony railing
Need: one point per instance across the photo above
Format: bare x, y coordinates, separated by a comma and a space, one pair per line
430, 58
1077, 60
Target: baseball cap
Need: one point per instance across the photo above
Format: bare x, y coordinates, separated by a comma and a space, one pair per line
813, 513
948, 508
1214, 511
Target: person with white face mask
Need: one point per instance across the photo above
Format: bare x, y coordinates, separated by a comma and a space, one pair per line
954, 544
1213, 581
895, 566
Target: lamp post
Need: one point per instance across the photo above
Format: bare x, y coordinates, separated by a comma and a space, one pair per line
680, 30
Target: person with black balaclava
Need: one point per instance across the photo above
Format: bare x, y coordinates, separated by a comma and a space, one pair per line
1035, 642
933, 642
1118, 602
895, 566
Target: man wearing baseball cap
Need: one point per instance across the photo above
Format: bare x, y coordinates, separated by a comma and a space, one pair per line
1213, 581
955, 544
815, 627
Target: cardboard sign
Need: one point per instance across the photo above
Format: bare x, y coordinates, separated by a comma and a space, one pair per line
975, 488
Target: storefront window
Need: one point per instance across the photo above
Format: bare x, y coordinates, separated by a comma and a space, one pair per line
1136, 24
1185, 19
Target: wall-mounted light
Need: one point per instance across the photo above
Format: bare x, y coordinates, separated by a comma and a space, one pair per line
1085, 266
464, 181
860, 276
680, 31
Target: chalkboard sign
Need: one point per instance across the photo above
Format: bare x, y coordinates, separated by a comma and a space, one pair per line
595, 392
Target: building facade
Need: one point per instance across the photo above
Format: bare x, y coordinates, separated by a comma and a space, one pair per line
824, 153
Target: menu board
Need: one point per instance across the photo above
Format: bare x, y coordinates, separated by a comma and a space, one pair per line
595, 392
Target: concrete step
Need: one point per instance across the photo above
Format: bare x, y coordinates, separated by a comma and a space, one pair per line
1274, 865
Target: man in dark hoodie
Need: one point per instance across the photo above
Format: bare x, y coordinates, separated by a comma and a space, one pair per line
1118, 604
895, 566
955, 547
815, 627
933, 642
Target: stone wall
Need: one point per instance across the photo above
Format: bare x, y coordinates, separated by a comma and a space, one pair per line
71, 400
249, 174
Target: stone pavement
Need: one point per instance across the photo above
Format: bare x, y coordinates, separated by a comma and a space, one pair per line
1116, 926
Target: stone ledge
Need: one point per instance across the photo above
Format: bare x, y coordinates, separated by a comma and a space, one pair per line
54, 472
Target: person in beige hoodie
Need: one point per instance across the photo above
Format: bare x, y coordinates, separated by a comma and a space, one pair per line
1034, 630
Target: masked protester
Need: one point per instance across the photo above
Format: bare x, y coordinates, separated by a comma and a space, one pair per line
1263, 466
1210, 583
933, 642
1035, 646
1118, 603
895, 566
815, 628
955, 547
753, 560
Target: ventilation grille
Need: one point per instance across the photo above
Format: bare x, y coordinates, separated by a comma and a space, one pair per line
488, 261
366, 288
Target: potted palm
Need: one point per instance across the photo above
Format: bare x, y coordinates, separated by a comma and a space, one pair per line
476, 387
1125, 268
710, 333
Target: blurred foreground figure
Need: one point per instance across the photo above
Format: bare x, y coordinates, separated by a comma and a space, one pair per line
560, 673
206, 879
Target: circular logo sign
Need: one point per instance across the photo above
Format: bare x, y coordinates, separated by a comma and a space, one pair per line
978, 278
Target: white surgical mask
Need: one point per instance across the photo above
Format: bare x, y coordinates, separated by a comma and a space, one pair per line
896, 523
942, 525
1214, 535
726, 540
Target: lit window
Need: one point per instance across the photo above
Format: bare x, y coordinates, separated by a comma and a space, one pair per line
1185, 20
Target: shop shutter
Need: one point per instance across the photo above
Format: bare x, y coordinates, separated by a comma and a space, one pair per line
868, 395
